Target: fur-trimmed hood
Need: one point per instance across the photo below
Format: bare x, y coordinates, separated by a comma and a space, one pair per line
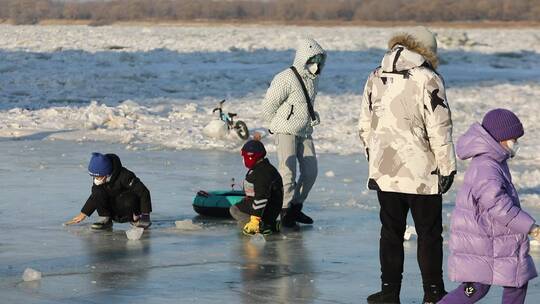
413, 45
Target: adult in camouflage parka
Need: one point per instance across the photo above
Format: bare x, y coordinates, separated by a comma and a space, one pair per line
405, 126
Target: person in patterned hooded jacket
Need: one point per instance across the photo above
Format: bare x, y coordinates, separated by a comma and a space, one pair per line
288, 107
405, 126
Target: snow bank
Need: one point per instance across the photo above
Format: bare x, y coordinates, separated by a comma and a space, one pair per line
181, 125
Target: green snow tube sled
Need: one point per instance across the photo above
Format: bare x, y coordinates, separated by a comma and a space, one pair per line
216, 203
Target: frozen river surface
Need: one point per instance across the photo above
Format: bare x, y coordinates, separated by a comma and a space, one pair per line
44, 183
141, 92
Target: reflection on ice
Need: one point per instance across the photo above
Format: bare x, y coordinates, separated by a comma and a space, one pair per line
257, 240
279, 272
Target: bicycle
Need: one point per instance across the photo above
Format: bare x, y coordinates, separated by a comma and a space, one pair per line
239, 127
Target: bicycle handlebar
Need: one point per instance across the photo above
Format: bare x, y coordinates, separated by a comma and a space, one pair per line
218, 108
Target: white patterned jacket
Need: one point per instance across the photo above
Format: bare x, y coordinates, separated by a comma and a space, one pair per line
284, 105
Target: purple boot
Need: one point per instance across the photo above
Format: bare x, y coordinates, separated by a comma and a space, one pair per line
468, 293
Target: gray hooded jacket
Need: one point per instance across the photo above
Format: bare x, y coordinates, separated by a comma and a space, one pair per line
284, 105
405, 122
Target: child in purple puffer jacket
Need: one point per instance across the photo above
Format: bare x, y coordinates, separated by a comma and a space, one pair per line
489, 241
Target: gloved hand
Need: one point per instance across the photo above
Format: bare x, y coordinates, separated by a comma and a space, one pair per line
535, 232
252, 227
317, 119
445, 182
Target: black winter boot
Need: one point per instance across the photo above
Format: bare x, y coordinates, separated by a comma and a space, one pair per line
388, 295
143, 221
267, 229
288, 218
301, 217
103, 224
433, 293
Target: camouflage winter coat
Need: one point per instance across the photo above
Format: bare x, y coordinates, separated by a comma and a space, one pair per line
284, 105
405, 122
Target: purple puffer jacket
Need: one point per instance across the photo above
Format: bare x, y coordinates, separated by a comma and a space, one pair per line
488, 242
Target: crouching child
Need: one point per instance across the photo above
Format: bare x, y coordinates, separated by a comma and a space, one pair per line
489, 241
117, 195
258, 211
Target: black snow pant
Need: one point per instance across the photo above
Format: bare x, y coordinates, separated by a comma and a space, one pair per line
426, 212
240, 212
120, 208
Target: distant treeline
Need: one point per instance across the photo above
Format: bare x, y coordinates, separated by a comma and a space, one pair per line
103, 12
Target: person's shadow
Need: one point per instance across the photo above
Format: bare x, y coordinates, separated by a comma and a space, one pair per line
281, 271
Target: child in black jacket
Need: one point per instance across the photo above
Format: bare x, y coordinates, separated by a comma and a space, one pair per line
117, 194
258, 211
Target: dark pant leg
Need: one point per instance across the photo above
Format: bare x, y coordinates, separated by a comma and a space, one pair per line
241, 217
393, 215
124, 206
103, 202
271, 213
427, 214
466, 293
513, 295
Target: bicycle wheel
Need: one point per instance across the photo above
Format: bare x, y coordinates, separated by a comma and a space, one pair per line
241, 130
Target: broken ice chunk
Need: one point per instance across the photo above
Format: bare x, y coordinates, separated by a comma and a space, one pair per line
410, 231
187, 225
30, 274
134, 233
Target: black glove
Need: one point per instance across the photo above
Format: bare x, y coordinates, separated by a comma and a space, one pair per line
445, 182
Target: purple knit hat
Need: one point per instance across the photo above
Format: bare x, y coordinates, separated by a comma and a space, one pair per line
502, 124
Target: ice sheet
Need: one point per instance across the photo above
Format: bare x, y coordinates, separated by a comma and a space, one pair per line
45, 183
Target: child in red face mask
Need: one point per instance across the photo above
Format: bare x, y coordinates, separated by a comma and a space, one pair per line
258, 211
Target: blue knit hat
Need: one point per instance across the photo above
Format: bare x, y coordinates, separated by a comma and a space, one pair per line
502, 124
100, 165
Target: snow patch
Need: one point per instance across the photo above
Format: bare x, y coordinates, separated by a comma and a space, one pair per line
216, 129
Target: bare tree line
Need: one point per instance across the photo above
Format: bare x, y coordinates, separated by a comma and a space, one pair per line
103, 12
